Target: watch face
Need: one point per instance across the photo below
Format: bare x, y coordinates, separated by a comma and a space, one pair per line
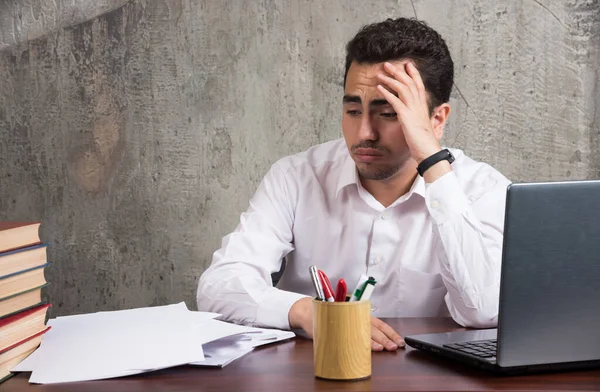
450, 156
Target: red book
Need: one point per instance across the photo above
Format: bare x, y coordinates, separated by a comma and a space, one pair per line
13, 355
22, 325
15, 235
35, 335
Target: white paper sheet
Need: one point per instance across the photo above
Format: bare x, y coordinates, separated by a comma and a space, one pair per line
121, 343
271, 336
221, 352
79, 329
168, 312
110, 344
212, 330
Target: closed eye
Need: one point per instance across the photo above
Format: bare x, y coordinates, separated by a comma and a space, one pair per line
389, 115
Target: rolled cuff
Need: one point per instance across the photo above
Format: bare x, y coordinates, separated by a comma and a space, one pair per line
274, 309
445, 198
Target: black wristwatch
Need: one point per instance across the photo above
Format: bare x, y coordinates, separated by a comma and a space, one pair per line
426, 163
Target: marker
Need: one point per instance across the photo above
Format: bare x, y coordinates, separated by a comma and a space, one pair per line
370, 281
366, 295
340, 290
359, 287
327, 289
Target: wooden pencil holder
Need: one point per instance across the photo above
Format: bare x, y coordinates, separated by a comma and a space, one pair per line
342, 340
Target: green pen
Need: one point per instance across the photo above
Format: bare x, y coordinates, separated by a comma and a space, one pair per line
360, 287
370, 281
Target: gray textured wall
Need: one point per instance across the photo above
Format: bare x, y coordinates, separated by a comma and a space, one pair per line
138, 130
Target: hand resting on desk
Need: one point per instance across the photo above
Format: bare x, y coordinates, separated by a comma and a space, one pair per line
382, 335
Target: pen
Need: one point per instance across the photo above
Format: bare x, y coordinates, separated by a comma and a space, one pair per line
327, 289
340, 291
370, 282
316, 282
369, 287
358, 294
359, 287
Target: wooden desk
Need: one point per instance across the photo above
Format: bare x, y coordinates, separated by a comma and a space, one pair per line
288, 367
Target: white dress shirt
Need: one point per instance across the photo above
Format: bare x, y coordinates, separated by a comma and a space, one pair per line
435, 251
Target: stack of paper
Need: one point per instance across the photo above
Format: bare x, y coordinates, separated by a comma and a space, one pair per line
113, 344
223, 351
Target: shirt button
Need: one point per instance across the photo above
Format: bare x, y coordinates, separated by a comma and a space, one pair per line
373, 308
435, 204
385, 215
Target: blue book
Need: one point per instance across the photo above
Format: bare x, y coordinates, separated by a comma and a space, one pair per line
20, 281
22, 259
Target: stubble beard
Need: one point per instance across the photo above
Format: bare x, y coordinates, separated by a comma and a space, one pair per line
377, 173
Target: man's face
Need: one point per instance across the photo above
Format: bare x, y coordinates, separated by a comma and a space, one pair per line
373, 134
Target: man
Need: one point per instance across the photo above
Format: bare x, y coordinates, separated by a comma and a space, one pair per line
432, 241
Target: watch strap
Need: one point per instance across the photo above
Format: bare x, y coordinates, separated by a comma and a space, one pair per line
426, 163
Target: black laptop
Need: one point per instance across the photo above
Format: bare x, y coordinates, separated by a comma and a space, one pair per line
549, 311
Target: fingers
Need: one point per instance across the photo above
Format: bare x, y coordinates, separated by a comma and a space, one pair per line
391, 334
380, 340
383, 336
396, 103
401, 74
376, 346
416, 76
404, 93
406, 81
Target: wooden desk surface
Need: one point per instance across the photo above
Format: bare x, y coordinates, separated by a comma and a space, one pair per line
288, 366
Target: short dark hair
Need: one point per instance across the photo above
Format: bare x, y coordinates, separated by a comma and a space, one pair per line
403, 38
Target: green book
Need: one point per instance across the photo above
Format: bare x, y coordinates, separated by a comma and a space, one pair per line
19, 302
9, 375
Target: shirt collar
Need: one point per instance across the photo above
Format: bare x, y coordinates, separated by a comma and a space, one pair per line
417, 187
349, 176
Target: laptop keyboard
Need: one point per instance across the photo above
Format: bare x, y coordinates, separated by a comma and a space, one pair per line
479, 348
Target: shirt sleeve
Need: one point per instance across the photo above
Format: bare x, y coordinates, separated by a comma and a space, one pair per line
469, 227
238, 282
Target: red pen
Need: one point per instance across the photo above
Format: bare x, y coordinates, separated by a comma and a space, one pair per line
341, 290
328, 290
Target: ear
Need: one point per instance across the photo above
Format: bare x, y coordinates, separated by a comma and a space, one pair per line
438, 120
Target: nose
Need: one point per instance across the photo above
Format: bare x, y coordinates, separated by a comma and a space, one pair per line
367, 129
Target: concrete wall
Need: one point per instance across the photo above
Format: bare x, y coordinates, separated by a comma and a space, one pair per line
138, 130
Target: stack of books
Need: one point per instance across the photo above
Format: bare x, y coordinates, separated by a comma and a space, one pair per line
22, 311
